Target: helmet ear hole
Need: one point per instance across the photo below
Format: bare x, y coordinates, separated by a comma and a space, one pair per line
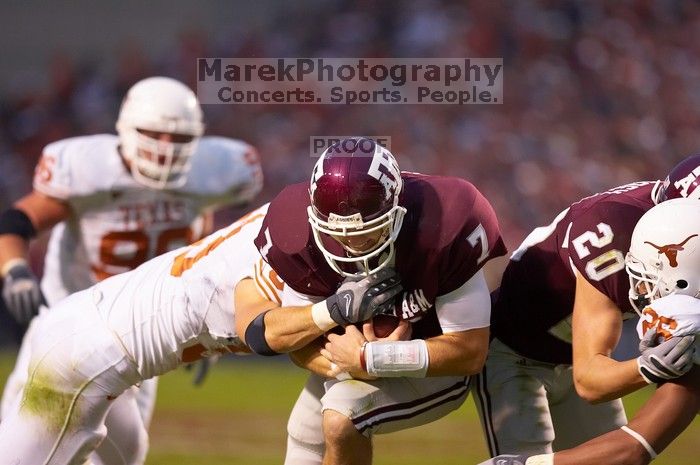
681, 284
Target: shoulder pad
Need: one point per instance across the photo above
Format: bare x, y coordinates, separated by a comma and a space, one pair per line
224, 169
79, 166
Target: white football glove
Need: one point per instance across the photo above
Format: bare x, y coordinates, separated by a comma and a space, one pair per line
21, 292
670, 359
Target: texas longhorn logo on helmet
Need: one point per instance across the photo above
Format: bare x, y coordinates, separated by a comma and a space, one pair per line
671, 250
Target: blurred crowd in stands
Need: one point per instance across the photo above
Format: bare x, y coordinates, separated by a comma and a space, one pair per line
596, 94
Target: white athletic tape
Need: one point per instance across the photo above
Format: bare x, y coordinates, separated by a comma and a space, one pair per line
397, 358
321, 316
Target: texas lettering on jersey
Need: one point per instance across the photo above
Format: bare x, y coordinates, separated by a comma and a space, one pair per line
532, 310
159, 211
449, 231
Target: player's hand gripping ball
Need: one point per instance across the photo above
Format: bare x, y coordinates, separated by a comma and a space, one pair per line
383, 325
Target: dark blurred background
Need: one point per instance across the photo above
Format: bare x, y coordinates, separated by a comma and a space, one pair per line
596, 94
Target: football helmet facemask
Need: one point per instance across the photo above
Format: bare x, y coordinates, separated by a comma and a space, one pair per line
354, 190
159, 105
664, 255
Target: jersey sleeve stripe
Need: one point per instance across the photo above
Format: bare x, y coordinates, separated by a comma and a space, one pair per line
269, 285
261, 289
263, 284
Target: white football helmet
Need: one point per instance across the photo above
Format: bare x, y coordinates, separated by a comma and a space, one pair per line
664, 255
163, 105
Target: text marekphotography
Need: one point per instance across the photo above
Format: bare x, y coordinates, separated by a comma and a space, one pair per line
449, 81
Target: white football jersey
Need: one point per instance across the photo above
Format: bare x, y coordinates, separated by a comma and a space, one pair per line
185, 297
117, 224
673, 315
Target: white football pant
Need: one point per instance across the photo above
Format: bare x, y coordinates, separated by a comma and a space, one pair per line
77, 371
127, 434
375, 407
529, 407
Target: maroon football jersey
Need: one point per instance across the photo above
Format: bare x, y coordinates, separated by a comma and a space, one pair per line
532, 310
450, 230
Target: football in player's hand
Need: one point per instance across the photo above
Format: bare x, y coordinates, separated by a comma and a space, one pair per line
384, 325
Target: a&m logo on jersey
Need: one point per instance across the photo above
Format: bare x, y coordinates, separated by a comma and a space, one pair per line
671, 250
414, 305
663, 325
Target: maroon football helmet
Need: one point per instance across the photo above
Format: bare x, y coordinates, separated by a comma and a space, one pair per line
682, 181
354, 191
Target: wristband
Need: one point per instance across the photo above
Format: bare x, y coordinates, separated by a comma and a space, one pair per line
321, 316
397, 358
363, 355
11, 263
650, 450
15, 221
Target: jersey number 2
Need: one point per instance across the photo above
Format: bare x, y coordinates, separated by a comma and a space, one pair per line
605, 264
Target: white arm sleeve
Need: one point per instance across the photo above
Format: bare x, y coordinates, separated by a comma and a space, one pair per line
292, 298
467, 307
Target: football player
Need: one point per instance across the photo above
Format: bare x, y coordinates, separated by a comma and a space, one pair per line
362, 219
530, 398
115, 201
665, 290
92, 347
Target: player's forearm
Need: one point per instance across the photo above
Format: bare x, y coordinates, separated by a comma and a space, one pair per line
601, 378
614, 448
29, 216
12, 247
269, 329
309, 357
669, 411
290, 328
457, 354
662, 418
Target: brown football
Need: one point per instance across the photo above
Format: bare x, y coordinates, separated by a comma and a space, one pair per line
384, 325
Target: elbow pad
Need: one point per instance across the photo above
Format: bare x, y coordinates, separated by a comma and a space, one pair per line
15, 221
255, 337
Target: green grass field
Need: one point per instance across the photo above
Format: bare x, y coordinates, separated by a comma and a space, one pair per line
238, 417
